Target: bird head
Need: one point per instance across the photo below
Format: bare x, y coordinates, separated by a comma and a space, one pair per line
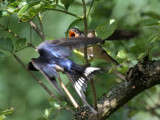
74, 32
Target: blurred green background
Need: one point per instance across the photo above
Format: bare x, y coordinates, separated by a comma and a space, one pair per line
19, 90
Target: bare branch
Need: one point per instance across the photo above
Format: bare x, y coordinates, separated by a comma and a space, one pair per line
141, 77
35, 27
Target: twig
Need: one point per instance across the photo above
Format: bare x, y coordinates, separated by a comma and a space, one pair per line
119, 75
35, 78
41, 25
40, 82
85, 30
90, 7
94, 95
35, 27
30, 40
15, 35
74, 15
68, 93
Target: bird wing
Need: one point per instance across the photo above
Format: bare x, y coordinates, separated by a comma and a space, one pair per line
72, 43
49, 73
61, 48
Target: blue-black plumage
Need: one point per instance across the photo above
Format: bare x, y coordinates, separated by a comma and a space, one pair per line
54, 58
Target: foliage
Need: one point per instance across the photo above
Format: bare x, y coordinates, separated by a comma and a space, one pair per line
57, 16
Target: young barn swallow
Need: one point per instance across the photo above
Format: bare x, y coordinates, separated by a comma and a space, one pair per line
96, 51
54, 58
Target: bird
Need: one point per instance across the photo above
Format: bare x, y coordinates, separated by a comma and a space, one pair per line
96, 51
117, 34
54, 57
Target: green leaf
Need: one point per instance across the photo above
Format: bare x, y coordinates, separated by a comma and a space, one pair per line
33, 8
141, 55
132, 113
64, 103
55, 104
106, 29
134, 49
79, 23
41, 118
7, 111
150, 22
152, 15
47, 112
4, 13
2, 54
66, 3
15, 6
122, 54
6, 44
21, 43
2, 117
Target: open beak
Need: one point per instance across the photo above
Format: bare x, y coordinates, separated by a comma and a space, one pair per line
72, 34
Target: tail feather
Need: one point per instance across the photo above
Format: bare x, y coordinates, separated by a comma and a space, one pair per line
80, 82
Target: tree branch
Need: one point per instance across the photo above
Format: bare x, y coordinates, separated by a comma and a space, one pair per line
141, 77
35, 27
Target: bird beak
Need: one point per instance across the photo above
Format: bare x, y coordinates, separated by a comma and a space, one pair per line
71, 34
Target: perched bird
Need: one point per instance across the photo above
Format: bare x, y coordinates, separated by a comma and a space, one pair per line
54, 58
96, 51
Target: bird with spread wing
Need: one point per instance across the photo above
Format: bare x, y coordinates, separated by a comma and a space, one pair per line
54, 58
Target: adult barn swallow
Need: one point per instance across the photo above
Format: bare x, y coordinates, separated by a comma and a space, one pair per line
96, 51
54, 58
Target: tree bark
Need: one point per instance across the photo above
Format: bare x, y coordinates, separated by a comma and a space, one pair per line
139, 78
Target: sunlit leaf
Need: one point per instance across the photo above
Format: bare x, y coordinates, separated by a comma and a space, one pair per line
106, 29
4, 13
55, 104
33, 8
47, 112
6, 44
2, 117
122, 54
5, 112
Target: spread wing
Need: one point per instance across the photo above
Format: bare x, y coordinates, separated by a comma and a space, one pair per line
61, 48
49, 73
72, 43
